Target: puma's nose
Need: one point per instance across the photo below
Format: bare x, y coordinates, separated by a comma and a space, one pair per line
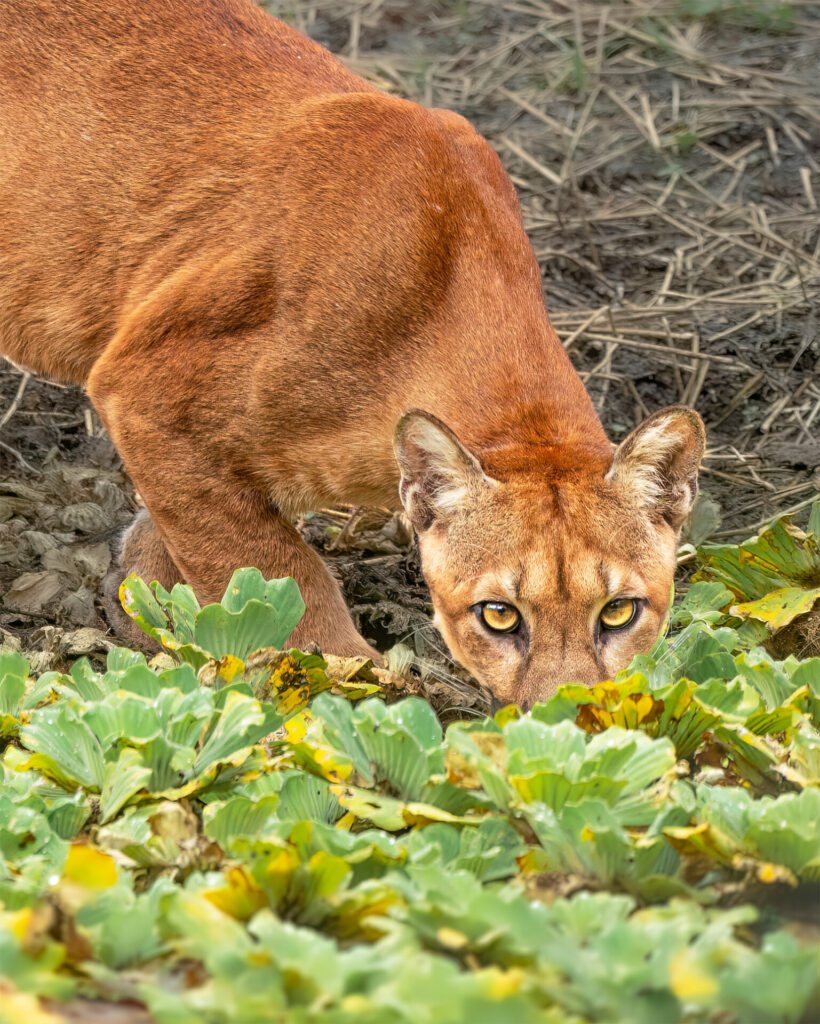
497, 703
543, 680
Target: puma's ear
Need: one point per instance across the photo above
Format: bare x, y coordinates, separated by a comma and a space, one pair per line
657, 464
437, 471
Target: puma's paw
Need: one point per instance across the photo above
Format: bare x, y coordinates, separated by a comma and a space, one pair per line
123, 627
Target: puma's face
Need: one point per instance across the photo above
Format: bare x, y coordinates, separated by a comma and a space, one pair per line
543, 578
533, 590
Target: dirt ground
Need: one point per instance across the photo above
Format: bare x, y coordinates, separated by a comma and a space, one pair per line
666, 156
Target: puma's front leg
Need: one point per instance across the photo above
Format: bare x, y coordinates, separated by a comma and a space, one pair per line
143, 553
185, 450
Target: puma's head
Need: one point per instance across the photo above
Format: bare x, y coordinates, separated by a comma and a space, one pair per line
557, 572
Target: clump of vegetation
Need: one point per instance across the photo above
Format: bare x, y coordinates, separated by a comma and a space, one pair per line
771, 15
237, 832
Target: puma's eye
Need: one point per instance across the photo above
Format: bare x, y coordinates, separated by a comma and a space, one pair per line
619, 613
500, 617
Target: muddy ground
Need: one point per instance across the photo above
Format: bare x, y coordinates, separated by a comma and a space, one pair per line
666, 159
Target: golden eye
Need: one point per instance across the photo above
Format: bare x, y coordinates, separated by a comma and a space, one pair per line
619, 613
500, 617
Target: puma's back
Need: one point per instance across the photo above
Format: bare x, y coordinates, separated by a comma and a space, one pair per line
130, 138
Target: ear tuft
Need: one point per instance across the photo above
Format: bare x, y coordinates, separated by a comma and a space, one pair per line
657, 464
437, 471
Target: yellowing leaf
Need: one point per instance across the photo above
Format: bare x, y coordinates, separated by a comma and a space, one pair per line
509, 713
347, 669
230, 667
534, 862
240, 896
22, 1008
260, 959
175, 821
17, 922
501, 983
424, 814
30, 926
780, 607
355, 1004
296, 727
451, 939
180, 792
771, 873
330, 764
280, 869
293, 699
688, 980
354, 690
89, 868
203, 919
461, 771
606, 705
699, 839
393, 815
327, 873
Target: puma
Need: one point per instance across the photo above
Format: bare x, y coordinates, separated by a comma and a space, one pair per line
285, 289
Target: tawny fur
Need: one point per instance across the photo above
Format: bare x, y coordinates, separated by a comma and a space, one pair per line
257, 263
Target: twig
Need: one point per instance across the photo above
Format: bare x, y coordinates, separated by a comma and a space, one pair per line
7, 415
